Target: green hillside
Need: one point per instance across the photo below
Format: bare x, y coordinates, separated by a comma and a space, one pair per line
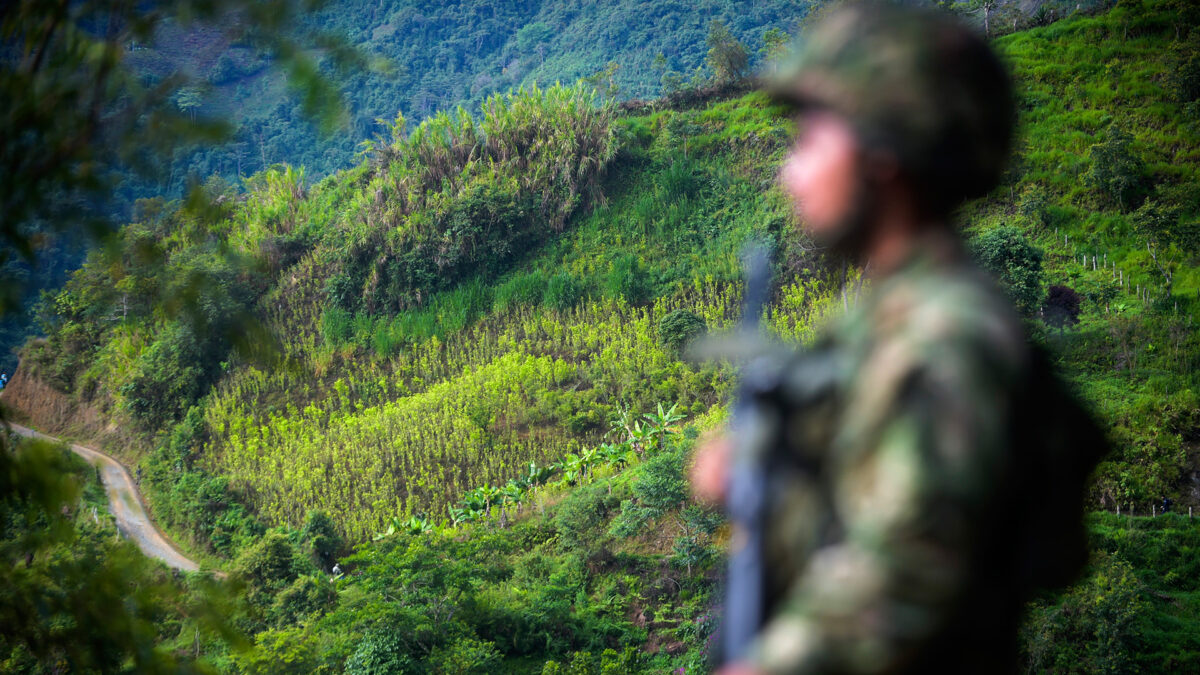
434, 56
476, 360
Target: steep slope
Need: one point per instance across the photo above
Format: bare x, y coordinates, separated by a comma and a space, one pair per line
440, 55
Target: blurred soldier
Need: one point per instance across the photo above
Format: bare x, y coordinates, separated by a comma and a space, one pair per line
927, 471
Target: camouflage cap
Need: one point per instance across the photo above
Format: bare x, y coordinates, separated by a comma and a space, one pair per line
914, 81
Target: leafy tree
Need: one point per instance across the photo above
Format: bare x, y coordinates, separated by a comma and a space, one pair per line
1116, 168
605, 81
660, 488
268, 566
726, 55
170, 377
1097, 628
322, 538
1016, 263
1163, 226
678, 328
307, 595
187, 100
466, 656
775, 45
78, 117
380, 653
1185, 78
292, 650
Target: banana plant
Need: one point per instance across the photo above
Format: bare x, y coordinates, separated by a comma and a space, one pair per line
418, 525
588, 458
513, 493
474, 502
661, 423
617, 454
538, 474
490, 494
572, 468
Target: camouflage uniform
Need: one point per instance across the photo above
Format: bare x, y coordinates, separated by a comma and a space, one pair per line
919, 488
878, 546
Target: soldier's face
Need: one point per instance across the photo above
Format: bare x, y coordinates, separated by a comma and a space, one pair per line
821, 174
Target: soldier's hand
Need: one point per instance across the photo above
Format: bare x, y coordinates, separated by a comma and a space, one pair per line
710, 470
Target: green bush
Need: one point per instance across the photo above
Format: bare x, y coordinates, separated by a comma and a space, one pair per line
1096, 628
1017, 264
628, 278
336, 325
306, 596
521, 290
581, 513
678, 328
1117, 170
563, 292
322, 538
170, 376
381, 652
466, 656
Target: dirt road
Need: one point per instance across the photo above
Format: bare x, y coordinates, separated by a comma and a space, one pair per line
125, 504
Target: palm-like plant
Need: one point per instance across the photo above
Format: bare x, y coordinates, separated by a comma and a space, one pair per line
418, 525
572, 466
538, 475
661, 423
588, 458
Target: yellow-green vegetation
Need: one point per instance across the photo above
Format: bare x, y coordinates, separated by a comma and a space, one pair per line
387, 414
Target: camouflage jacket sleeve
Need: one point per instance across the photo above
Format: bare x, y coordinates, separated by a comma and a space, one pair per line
914, 469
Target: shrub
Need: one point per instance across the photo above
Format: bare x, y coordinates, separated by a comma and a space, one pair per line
1116, 169
1016, 263
678, 328
521, 290
563, 291
581, 513
306, 596
465, 656
380, 652
170, 376
627, 278
335, 325
322, 538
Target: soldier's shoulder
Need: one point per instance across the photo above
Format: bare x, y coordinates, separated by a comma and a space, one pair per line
949, 310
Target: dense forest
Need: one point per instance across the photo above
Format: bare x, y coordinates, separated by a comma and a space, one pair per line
455, 370
434, 56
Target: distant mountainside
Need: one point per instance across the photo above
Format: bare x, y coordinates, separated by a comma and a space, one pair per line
440, 55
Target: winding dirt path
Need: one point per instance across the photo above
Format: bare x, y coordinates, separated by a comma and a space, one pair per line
125, 503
